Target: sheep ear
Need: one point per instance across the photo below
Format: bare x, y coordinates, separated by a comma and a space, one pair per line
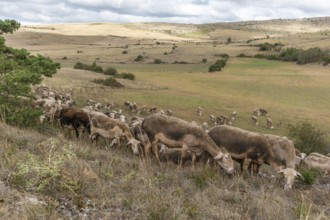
219, 156
299, 174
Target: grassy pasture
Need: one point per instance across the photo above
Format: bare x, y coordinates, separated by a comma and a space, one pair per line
290, 92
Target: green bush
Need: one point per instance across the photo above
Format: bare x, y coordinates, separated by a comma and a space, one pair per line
110, 71
94, 67
110, 81
267, 46
219, 64
309, 176
18, 113
311, 55
129, 76
326, 60
204, 60
307, 138
158, 61
138, 58
242, 55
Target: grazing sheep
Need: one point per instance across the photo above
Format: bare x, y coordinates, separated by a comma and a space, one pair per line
199, 111
153, 110
254, 120
177, 133
223, 120
269, 123
233, 115
256, 111
263, 112
213, 119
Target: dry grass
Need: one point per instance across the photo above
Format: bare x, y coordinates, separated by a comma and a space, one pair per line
115, 184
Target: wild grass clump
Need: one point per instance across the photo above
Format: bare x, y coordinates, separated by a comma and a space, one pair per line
303, 209
42, 172
110, 81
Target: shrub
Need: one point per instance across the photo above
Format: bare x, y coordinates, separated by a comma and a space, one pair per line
93, 67
265, 46
309, 176
290, 54
326, 60
307, 138
124, 52
110, 81
228, 40
204, 60
311, 55
138, 58
219, 64
17, 113
41, 173
180, 62
158, 61
242, 55
110, 71
129, 76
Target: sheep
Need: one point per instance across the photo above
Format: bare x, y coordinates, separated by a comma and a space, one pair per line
199, 111
233, 115
213, 119
269, 123
254, 120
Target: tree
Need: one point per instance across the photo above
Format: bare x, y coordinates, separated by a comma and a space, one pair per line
18, 68
18, 71
9, 26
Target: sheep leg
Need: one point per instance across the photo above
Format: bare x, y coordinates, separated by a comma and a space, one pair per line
245, 166
155, 151
184, 154
147, 147
193, 159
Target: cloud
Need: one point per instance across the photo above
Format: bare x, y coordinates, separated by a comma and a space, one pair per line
179, 11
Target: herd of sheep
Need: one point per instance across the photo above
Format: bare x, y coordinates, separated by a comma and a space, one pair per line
174, 139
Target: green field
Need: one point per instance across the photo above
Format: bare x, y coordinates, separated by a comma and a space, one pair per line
290, 92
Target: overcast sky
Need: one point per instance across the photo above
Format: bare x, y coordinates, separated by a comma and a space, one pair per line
177, 11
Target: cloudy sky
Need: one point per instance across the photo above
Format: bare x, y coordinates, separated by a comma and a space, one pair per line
177, 11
